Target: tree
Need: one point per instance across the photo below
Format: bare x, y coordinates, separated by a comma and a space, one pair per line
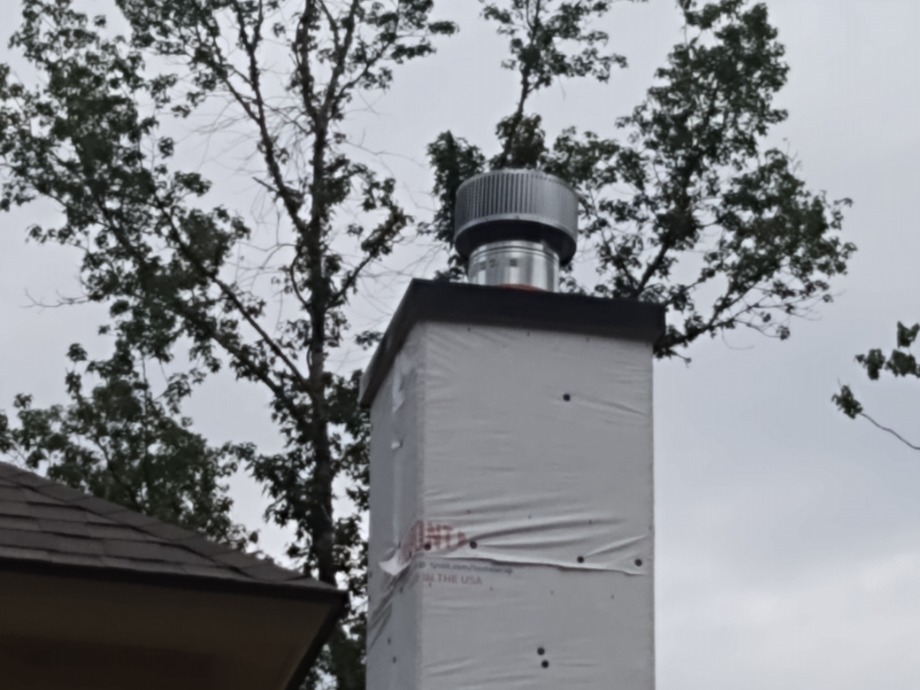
712, 223
900, 362
94, 136
124, 444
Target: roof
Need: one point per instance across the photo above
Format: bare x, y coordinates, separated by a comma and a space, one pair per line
427, 300
46, 525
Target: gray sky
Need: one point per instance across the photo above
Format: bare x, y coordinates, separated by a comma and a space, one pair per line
788, 536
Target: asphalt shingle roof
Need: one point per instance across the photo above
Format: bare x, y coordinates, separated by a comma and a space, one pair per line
43, 522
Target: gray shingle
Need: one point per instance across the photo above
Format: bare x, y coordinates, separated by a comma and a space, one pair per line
78, 529
77, 559
26, 539
157, 567
20, 554
13, 493
41, 520
10, 509
115, 531
153, 551
67, 544
19, 494
129, 517
161, 530
18, 522
57, 512
53, 543
208, 571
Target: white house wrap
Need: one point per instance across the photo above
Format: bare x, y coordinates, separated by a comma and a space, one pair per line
512, 539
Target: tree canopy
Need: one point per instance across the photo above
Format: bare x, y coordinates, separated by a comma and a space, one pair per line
683, 202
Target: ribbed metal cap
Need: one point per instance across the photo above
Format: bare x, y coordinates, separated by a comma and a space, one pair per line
516, 205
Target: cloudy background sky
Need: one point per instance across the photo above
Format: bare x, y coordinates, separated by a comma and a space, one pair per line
788, 536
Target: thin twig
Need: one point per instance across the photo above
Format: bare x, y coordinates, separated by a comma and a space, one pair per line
890, 431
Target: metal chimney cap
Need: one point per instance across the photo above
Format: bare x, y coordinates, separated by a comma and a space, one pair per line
510, 204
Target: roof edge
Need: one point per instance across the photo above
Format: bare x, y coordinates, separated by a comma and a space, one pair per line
306, 590
317, 592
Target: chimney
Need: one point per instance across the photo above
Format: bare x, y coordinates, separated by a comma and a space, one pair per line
511, 501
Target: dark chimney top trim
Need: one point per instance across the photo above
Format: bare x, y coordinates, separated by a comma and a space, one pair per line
427, 300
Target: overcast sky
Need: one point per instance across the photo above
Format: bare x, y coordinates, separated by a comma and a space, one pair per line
788, 536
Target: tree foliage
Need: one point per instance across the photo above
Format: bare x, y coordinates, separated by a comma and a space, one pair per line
690, 207
899, 362
683, 202
95, 137
121, 442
